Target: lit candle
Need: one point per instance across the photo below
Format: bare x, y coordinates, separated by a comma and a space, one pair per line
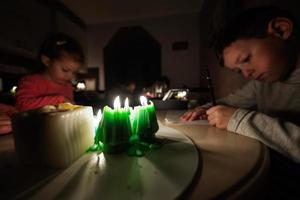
97, 119
144, 122
114, 129
126, 106
144, 127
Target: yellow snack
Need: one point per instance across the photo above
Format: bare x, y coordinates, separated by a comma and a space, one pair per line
67, 106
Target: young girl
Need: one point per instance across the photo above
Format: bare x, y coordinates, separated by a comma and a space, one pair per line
60, 58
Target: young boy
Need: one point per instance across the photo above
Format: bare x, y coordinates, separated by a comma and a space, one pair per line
262, 44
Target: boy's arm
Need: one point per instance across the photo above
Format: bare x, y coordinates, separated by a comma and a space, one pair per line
282, 136
242, 98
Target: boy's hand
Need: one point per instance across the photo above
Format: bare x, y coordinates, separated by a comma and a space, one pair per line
219, 116
197, 113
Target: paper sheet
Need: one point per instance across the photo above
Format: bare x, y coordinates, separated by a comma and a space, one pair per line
173, 117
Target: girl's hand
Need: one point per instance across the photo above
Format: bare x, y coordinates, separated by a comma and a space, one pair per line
5, 124
219, 116
69, 101
197, 113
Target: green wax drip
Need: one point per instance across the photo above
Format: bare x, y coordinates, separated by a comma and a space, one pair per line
140, 148
95, 147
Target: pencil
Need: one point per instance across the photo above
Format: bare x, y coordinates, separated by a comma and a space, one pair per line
210, 87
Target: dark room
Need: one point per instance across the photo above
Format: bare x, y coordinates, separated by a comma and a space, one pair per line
194, 99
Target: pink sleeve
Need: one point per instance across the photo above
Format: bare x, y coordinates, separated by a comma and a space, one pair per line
28, 96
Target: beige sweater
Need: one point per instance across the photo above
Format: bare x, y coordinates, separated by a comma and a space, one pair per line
269, 112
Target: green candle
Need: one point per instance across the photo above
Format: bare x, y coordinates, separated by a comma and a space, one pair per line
144, 122
144, 127
120, 128
114, 129
152, 118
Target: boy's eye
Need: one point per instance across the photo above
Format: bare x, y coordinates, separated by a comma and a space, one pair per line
65, 70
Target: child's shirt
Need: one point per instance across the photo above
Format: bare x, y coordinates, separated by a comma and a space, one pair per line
35, 91
269, 112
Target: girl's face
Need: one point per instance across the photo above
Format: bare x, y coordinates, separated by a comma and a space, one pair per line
261, 59
61, 71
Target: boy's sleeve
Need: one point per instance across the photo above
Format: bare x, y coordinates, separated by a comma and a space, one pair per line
28, 96
242, 98
282, 136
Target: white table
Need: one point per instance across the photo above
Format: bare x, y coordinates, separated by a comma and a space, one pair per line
232, 165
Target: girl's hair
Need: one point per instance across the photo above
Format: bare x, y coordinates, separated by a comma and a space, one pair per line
59, 45
252, 23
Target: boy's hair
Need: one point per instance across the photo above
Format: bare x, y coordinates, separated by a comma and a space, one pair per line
58, 45
252, 23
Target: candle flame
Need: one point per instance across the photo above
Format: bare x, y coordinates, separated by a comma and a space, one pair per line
143, 100
99, 115
126, 104
97, 118
117, 103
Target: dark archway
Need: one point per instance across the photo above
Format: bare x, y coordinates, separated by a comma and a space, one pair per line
132, 54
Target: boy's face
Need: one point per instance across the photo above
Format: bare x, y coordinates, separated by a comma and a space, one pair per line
262, 59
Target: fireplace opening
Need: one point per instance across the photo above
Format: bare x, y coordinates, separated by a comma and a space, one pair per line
132, 54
